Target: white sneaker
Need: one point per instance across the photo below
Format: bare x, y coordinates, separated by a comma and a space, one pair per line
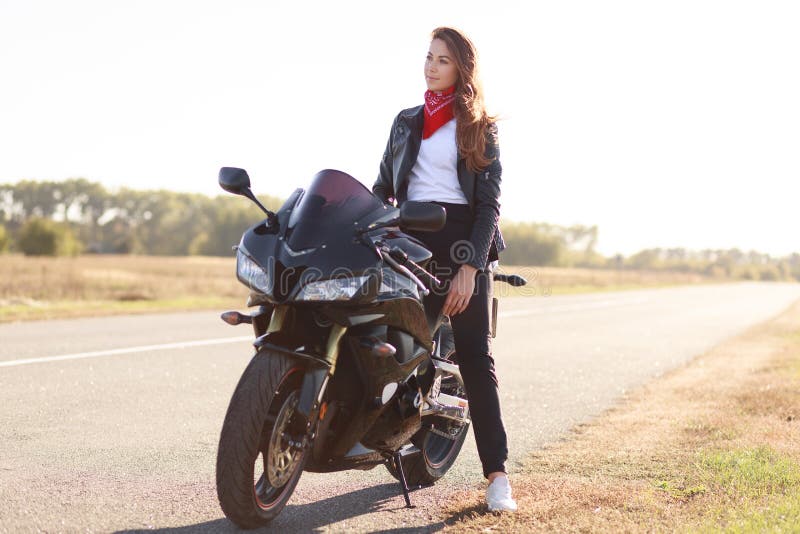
498, 496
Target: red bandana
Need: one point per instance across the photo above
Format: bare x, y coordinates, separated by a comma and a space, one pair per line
438, 110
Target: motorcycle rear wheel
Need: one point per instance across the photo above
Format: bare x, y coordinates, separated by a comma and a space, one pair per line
254, 432
433, 457
437, 445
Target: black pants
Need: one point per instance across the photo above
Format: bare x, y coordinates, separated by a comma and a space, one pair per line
472, 333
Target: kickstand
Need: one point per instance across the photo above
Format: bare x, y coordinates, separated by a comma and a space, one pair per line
398, 465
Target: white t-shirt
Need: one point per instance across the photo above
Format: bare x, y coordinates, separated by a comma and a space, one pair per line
435, 173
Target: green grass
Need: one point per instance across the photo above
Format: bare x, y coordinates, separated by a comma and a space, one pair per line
749, 472
781, 516
759, 487
679, 490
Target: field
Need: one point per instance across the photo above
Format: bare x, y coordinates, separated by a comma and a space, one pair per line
546, 281
46, 288
93, 285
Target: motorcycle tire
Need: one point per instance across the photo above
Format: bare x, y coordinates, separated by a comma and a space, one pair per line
258, 414
433, 454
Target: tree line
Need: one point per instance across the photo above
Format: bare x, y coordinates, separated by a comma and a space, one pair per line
78, 216
94, 220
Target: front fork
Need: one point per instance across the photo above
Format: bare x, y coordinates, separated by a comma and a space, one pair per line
269, 319
315, 381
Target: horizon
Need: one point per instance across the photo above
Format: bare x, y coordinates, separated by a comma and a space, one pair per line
503, 219
698, 98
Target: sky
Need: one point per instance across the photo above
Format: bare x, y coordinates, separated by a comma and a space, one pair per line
666, 124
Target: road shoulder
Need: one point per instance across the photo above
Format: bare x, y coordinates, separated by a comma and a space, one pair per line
713, 445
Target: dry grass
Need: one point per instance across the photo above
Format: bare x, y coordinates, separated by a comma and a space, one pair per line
46, 288
43, 288
712, 446
562, 280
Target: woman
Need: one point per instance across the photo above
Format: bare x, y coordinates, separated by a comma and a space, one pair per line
446, 152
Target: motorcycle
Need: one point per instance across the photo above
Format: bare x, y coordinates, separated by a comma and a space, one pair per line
349, 370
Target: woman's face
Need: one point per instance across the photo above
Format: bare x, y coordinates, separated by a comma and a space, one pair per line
440, 67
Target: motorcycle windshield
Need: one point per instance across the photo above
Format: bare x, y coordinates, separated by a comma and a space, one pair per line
328, 210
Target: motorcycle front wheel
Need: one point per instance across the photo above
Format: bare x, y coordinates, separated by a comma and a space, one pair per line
258, 463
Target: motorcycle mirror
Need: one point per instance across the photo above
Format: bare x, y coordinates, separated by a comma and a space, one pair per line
234, 180
422, 216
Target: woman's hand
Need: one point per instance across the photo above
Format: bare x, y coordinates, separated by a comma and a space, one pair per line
461, 290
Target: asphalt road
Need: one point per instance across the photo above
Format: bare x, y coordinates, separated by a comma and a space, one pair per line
112, 424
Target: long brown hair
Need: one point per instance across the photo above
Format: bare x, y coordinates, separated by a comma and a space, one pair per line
473, 123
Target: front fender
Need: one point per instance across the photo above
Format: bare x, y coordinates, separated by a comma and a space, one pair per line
315, 379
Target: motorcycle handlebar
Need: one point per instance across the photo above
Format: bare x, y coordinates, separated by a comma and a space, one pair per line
512, 279
399, 256
399, 259
431, 280
404, 270
402, 257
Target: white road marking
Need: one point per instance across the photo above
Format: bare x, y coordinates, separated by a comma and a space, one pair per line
127, 350
220, 341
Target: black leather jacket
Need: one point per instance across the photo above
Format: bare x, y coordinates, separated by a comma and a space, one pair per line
482, 189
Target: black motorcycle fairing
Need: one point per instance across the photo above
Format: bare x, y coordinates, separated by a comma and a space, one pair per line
286, 209
315, 236
284, 266
326, 212
312, 361
405, 314
319, 234
356, 391
299, 330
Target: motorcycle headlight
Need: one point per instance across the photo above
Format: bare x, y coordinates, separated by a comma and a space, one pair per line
251, 274
333, 289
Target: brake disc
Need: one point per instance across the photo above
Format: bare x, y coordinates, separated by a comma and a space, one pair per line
282, 455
